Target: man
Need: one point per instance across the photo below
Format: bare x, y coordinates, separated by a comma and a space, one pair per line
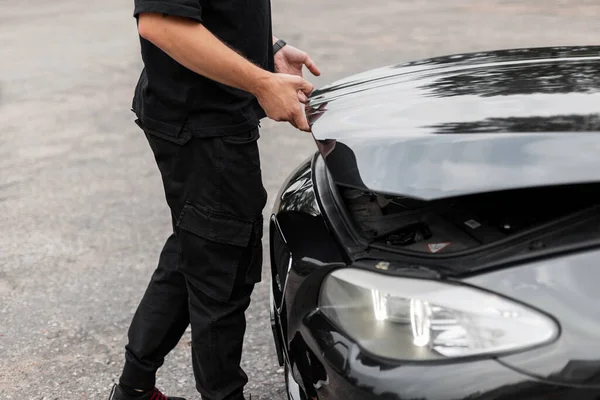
208, 79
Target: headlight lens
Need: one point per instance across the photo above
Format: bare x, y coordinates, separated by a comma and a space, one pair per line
414, 319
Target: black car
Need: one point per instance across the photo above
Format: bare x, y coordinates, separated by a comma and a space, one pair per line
444, 242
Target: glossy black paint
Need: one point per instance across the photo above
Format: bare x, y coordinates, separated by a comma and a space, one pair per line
567, 288
299, 233
464, 124
302, 252
335, 368
371, 128
343, 371
329, 366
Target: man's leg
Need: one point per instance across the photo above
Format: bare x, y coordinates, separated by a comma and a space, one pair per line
214, 189
159, 322
220, 238
163, 315
217, 337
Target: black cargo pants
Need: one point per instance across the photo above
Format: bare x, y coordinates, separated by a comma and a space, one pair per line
208, 266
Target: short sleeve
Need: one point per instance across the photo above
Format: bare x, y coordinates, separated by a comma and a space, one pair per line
177, 8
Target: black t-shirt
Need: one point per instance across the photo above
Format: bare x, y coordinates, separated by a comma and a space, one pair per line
169, 96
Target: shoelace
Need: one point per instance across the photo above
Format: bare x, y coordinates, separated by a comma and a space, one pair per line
157, 395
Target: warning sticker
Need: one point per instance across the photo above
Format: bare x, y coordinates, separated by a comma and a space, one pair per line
435, 247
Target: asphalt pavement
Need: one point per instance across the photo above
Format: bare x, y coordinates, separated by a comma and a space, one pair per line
82, 215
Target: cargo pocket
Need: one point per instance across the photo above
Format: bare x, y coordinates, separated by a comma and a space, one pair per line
175, 132
242, 149
242, 138
214, 249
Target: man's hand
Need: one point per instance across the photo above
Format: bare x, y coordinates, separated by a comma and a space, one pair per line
278, 96
290, 60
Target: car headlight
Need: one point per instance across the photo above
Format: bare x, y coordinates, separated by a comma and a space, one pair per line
415, 319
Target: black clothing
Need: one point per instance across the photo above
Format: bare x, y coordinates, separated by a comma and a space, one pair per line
204, 138
208, 266
169, 95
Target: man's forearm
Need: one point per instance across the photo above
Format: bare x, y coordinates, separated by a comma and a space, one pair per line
196, 48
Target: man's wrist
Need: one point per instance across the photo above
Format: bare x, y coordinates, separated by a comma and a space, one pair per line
259, 82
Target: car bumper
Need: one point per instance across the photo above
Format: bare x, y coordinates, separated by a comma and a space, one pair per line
335, 368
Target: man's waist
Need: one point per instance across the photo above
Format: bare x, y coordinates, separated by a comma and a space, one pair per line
201, 123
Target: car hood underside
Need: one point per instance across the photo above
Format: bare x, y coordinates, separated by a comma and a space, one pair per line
464, 124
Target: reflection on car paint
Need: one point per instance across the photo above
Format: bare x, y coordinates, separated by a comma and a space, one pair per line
386, 126
566, 288
431, 129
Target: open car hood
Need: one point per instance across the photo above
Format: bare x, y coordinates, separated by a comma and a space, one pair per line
464, 124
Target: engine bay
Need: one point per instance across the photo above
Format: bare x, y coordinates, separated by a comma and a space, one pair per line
461, 223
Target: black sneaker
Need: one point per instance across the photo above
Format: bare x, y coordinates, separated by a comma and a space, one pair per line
155, 394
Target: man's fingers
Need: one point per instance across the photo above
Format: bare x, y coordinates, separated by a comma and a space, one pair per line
302, 98
312, 67
305, 86
302, 124
299, 120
